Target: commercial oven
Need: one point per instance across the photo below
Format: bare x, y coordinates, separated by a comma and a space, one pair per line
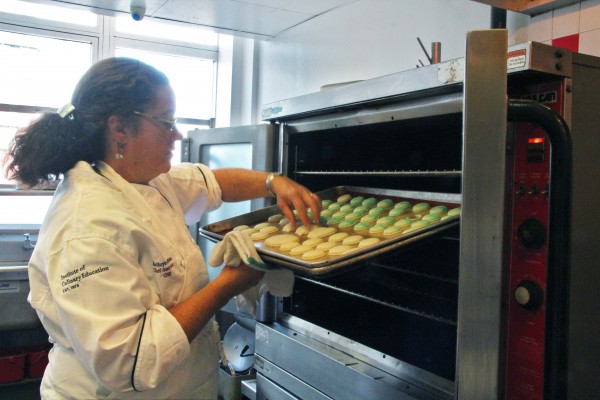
503, 305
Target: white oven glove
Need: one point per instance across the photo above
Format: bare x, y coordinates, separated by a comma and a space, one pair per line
236, 248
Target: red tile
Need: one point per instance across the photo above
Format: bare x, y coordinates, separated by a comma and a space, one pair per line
570, 42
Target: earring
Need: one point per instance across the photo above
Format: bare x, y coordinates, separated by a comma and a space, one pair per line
120, 149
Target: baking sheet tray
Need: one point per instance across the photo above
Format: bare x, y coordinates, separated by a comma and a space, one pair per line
329, 264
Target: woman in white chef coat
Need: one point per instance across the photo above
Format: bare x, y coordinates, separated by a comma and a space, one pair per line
116, 279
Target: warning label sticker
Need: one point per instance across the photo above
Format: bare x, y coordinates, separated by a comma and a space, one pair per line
516, 59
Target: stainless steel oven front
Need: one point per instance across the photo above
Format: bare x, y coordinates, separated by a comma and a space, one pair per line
499, 307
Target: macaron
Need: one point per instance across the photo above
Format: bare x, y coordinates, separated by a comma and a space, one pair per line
269, 230
347, 225
377, 211
403, 204
289, 246
345, 198
327, 213
326, 246
321, 232
454, 211
299, 250
339, 250
312, 242
313, 254
338, 237
334, 207
377, 230
275, 218
386, 204
278, 240
250, 231
438, 210
352, 240
258, 236
369, 219
357, 201
261, 225
403, 223
397, 212
362, 228
302, 231
368, 242
431, 217
347, 208
353, 217
334, 221
386, 221
362, 210
421, 207
370, 202
417, 225
392, 231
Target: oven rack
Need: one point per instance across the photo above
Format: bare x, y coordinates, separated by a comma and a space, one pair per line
388, 173
404, 308
411, 271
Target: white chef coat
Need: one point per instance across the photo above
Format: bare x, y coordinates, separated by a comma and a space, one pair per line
111, 258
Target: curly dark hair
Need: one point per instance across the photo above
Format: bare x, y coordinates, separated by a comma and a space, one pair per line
52, 145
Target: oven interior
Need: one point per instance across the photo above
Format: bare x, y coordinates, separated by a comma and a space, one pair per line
404, 303
420, 154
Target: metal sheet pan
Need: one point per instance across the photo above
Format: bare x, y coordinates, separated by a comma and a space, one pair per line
329, 264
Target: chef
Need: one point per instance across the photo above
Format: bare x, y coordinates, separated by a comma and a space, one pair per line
116, 279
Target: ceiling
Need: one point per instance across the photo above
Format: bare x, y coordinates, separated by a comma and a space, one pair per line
256, 18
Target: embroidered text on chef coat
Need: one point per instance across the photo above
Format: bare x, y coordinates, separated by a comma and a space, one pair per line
163, 268
71, 280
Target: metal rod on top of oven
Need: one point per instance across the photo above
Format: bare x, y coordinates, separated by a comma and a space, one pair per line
444, 174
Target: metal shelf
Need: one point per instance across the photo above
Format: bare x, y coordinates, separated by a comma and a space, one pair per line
530, 7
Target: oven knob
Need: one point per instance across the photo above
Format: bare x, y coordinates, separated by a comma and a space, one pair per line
532, 233
529, 295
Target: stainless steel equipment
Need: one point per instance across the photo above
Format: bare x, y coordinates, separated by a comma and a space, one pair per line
502, 307
16, 245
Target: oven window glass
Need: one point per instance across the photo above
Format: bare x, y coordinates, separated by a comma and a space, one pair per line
234, 155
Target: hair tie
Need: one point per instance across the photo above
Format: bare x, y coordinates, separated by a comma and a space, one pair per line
66, 110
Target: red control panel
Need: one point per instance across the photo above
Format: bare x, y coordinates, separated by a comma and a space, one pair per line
528, 259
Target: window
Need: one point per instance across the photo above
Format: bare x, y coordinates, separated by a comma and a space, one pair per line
192, 80
45, 50
53, 15
28, 89
188, 57
40, 70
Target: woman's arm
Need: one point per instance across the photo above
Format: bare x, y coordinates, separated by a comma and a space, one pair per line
194, 312
241, 184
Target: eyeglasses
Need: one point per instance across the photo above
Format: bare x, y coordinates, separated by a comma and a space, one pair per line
168, 124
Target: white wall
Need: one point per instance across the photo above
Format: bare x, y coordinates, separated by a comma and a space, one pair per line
366, 39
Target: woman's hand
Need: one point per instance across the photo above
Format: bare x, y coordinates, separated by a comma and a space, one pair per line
239, 279
195, 311
292, 195
239, 184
